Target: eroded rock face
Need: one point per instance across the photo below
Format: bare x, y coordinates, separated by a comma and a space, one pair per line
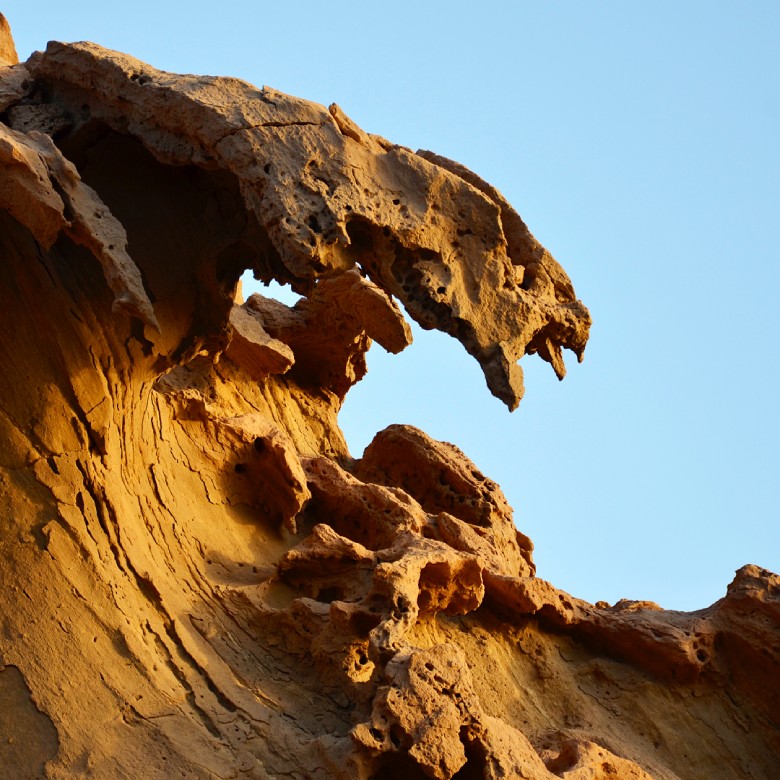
197, 578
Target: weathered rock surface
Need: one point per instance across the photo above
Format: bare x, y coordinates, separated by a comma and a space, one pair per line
198, 580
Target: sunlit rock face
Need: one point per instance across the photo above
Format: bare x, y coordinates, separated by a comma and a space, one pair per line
198, 579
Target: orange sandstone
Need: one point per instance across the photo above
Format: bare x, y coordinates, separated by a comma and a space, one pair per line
198, 579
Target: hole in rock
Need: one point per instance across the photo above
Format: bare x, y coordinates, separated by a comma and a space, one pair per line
409, 387
396, 735
280, 292
395, 765
363, 622
476, 759
567, 759
170, 212
327, 595
361, 240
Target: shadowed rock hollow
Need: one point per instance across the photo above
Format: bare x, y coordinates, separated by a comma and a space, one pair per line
198, 580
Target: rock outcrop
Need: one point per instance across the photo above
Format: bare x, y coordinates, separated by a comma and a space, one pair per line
198, 579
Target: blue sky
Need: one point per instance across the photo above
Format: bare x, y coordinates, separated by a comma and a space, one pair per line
639, 141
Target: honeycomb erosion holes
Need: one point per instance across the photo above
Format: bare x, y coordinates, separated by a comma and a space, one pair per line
198, 579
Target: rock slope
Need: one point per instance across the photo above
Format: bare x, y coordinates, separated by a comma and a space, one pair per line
198, 580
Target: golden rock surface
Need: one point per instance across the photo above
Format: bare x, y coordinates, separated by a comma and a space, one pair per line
197, 579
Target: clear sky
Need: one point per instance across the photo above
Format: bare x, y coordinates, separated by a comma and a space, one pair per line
641, 144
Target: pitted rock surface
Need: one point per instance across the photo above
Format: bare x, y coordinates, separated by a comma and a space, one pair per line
197, 577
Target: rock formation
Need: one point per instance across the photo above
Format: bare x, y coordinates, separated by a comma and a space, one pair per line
198, 580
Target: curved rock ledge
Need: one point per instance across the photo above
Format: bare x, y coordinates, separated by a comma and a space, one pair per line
198, 580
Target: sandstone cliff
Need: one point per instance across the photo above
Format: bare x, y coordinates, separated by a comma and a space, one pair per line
198, 579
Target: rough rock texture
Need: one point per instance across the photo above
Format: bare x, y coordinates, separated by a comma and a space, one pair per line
198, 580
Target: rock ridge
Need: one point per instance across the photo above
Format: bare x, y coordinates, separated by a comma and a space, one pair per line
198, 578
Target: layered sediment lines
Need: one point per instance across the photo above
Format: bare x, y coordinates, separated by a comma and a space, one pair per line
198, 579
